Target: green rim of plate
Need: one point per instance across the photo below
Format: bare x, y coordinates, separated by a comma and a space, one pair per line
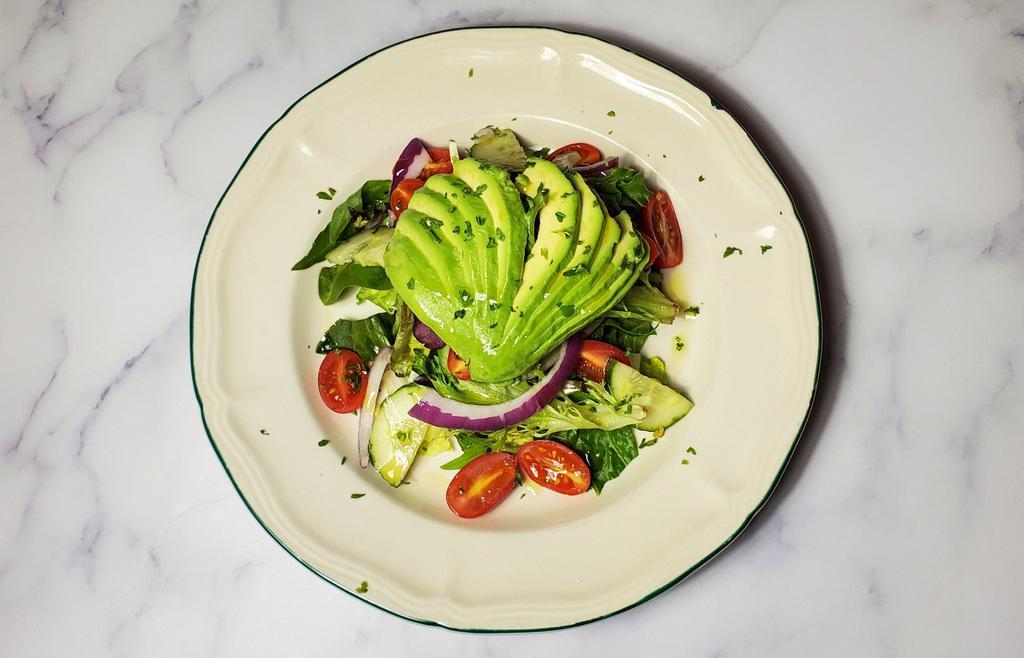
427, 622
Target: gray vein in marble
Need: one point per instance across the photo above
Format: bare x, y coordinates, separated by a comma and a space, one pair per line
61, 358
753, 41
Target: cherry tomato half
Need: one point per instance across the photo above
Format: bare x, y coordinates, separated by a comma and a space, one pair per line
588, 153
659, 221
554, 466
457, 366
342, 381
440, 162
594, 358
402, 193
481, 484
653, 251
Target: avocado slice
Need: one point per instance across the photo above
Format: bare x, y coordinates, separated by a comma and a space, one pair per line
600, 293
456, 259
576, 268
447, 200
496, 190
557, 230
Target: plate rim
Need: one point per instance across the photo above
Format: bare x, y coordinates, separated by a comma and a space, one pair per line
671, 583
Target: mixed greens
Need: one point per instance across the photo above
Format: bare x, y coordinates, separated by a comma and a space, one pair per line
517, 287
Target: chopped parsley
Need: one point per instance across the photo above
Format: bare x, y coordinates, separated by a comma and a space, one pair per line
678, 344
646, 443
692, 312
465, 297
559, 215
481, 220
491, 242
322, 442
411, 283
363, 586
357, 496
264, 432
328, 195
765, 248
611, 113
691, 450
498, 232
343, 460
459, 314
579, 268
470, 74
567, 309
480, 190
685, 462
431, 225
700, 179
729, 251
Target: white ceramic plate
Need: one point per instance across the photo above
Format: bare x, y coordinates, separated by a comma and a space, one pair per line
544, 560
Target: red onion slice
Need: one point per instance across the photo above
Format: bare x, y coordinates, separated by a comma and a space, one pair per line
366, 412
598, 167
410, 163
439, 411
427, 336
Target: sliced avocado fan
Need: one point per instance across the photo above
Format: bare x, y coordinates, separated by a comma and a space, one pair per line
458, 258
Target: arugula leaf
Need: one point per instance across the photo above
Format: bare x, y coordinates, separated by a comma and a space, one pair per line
620, 189
628, 334
364, 337
472, 447
335, 279
367, 202
607, 451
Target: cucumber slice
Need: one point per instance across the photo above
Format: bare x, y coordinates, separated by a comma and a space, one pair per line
664, 406
396, 436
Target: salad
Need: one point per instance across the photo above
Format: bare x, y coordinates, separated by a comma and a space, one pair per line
517, 287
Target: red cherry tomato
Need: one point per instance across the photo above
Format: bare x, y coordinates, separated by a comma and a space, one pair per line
402, 193
457, 366
587, 152
659, 221
440, 163
554, 466
481, 484
653, 251
342, 381
594, 358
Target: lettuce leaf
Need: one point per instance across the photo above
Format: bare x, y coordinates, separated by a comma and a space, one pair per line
360, 209
608, 452
385, 299
628, 334
335, 279
621, 189
364, 337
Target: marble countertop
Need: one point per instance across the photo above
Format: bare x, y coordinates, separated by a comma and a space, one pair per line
897, 530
